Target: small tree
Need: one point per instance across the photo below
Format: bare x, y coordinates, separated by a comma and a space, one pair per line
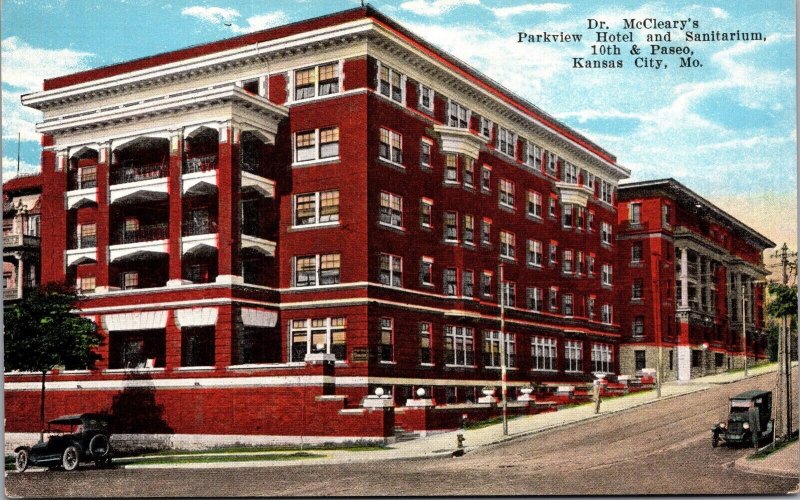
44, 331
784, 305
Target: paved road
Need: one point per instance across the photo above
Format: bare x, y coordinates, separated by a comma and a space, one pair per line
662, 448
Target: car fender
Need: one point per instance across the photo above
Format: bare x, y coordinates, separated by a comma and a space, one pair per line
27, 448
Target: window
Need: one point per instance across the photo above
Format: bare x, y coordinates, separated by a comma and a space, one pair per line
316, 208
425, 154
553, 258
589, 180
251, 86
635, 214
590, 264
601, 358
569, 173
198, 273
315, 270
467, 283
426, 271
491, 349
451, 226
534, 253
605, 277
132, 349
640, 360
606, 314
552, 164
574, 354
450, 281
326, 335
391, 83
506, 141
426, 98
469, 229
425, 212
590, 307
507, 245
317, 81
305, 144
451, 169
566, 215
506, 193
391, 272
387, 339
88, 237
606, 189
197, 346
551, 212
638, 326
566, 264
486, 127
580, 216
131, 224
605, 233
697, 358
543, 352
665, 215
535, 204
458, 115
590, 221
469, 172
425, 343
509, 294
535, 298
486, 284
486, 232
85, 285
553, 298
637, 291
534, 157
87, 176
391, 146
579, 262
566, 304
636, 251
458, 345
391, 213
129, 280
486, 178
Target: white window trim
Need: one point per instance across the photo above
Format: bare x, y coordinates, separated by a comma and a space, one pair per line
317, 271
433, 98
317, 148
317, 209
392, 259
308, 329
402, 84
291, 80
389, 160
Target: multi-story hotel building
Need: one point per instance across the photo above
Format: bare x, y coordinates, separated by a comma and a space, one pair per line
21, 236
694, 282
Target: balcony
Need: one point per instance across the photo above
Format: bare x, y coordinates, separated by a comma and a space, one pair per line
139, 243
460, 141
139, 183
199, 175
264, 187
20, 241
199, 237
81, 192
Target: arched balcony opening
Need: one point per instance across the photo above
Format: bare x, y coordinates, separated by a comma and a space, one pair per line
200, 150
142, 159
254, 154
82, 172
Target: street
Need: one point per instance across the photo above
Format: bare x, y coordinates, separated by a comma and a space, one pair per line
662, 448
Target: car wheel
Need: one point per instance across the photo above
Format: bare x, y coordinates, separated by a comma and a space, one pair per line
21, 460
70, 458
714, 440
98, 446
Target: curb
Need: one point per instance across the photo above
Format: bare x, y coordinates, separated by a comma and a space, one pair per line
744, 465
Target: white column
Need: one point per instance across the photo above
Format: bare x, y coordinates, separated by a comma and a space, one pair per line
709, 279
20, 276
684, 278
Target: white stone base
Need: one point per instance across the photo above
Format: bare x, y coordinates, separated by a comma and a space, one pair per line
178, 282
419, 403
320, 357
684, 353
487, 400
377, 402
229, 279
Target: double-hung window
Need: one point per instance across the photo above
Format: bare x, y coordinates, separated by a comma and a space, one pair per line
573, 351
534, 298
450, 279
469, 229
391, 146
486, 127
486, 284
426, 98
317, 144
535, 204
469, 172
451, 226
318, 335
491, 349
315, 270
391, 271
451, 169
316, 208
606, 272
553, 299
605, 233
486, 179
426, 271
606, 314
506, 193
391, 83
316, 81
553, 258
638, 326
636, 251
509, 294
506, 141
425, 148
566, 304
551, 210
468, 283
387, 339
534, 156
567, 212
569, 173
637, 290
508, 245
635, 213
601, 358
567, 262
391, 213
85, 285
534, 253
426, 212
458, 345
606, 189
425, 343
543, 352
486, 232
458, 115
552, 163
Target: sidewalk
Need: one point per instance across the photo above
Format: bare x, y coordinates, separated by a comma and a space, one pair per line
783, 462
443, 444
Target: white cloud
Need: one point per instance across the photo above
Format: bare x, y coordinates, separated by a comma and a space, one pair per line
434, 8
504, 12
213, 15
10, 168
27, 67
261, 22
719, 13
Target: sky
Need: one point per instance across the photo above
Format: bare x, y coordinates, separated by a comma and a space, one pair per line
726, 129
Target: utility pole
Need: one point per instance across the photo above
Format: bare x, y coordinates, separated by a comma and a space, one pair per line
657, 321
744, 332
784, 385
503, 381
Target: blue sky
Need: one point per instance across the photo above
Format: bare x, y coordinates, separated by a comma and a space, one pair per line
727, 130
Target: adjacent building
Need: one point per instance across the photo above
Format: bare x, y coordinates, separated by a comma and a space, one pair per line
21, 236
695, 281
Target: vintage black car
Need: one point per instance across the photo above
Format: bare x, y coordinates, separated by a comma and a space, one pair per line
88, 439
749, 421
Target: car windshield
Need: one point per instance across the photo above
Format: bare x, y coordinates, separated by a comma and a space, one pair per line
739, 409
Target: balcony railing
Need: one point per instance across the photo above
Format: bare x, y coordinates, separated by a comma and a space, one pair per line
10, 294
12, 240
83, 242
200, 164
78, 183
145, 233
136, 173
193, 228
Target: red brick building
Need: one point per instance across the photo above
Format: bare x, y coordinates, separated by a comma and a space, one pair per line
266, 229
677, 249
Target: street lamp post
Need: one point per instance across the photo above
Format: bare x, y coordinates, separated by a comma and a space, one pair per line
744, 333
503, 382
657, 323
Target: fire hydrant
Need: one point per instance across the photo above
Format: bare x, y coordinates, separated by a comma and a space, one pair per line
459, 446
